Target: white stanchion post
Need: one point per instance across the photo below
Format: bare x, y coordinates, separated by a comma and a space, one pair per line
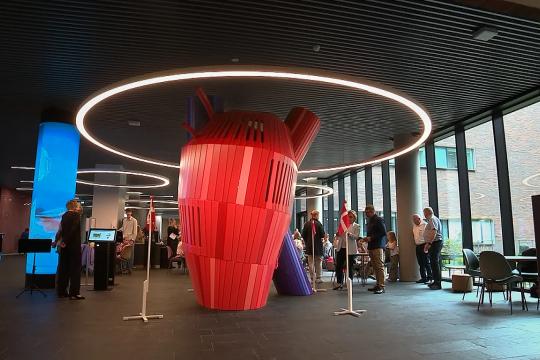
146, 285
349, 310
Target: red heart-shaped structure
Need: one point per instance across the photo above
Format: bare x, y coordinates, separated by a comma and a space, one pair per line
236, 187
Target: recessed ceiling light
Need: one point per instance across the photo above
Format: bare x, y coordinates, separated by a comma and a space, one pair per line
485, 33
316, 47
134, 123
313, 178
235, 60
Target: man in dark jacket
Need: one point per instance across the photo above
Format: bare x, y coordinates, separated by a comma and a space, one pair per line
376, 240
69, 261
313, 234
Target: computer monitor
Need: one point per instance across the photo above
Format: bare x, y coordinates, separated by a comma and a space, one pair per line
102, 235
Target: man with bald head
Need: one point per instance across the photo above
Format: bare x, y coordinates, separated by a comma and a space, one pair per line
423, 260
434, 244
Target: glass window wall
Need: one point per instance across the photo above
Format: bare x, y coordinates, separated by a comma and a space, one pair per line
361, 188
377, 189
484, 189
347, 189
393, 203
522, 130
449, 207
337, 206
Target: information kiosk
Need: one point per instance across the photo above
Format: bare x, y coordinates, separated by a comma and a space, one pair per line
104, 240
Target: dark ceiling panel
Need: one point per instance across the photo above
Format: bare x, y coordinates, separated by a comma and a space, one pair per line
59, 52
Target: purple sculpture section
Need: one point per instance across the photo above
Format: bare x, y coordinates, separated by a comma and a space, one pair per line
290, 277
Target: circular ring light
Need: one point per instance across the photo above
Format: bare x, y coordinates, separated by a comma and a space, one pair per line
155, 201
145, 208
478, 196
527, 180
164, 181
329, 191
241, 71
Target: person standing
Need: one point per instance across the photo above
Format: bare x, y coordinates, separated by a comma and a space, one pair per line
327, 247
25, 234
394, 256
313, 234
298, 244
173, 235
69, 262
376, 240
434, 244
129, 233
421, 257
353, 233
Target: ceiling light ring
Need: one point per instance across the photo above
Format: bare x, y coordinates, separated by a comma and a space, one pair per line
527, 180
164, 180
245, 71
145, 208
155, 201
328, 189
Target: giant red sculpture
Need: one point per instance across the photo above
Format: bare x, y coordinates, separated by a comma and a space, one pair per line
235, 192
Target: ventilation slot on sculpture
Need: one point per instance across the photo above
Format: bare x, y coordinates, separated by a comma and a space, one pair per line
269, 180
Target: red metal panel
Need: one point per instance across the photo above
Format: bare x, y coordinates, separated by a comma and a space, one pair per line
200, 170
219, 177
205, 181
229, 230
236, 166
247, 244
253, 175
229, 274
232, 228
239, 282
213, 171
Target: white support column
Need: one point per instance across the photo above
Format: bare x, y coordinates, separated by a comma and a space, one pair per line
108, 202
409, 202
316, 203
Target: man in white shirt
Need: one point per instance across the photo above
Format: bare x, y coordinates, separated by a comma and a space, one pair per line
129, 232
423, 260
434, 244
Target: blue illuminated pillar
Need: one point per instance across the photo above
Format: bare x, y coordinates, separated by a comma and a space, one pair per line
56, 163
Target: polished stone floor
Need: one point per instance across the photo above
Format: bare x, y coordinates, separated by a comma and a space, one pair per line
408, 322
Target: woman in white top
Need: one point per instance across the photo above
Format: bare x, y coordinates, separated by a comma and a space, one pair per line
298, 244
419, 226
353, 233
392, 245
